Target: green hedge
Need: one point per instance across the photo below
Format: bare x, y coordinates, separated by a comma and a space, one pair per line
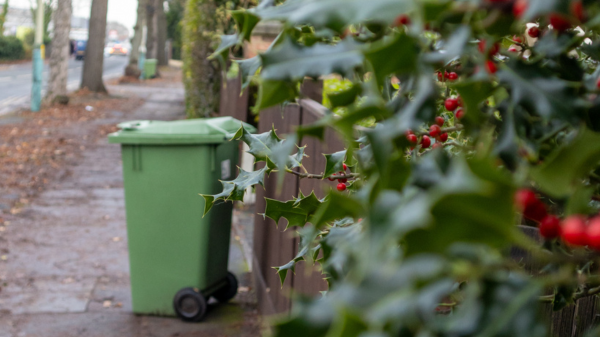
11, 48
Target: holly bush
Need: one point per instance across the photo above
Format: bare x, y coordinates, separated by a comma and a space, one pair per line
464, 121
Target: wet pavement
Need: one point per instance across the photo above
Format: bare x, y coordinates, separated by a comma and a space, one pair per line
64, 264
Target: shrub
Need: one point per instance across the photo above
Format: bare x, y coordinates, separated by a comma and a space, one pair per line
480, 124
11, 48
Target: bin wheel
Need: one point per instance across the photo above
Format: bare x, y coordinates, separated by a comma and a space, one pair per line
229, 290
190, 305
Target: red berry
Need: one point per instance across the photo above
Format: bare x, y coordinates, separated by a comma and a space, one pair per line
452, 76
434, 130
577, 10
517, 39
341, 187
440, 76
534, 32
493, 50
559, 22
345, 167
342, 180
550, 227
512, 50
598, 83
451, 104
425, 142
439, 120
491, 66
459, 114
519, 7
527, 202
593, 233
402, 20
436, 145
524, 198
443, 137
536, 211
412, 139
574, 231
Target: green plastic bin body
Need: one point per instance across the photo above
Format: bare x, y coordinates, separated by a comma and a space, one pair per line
150, 68
171, 246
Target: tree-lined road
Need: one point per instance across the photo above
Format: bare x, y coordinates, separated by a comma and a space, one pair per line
15, 81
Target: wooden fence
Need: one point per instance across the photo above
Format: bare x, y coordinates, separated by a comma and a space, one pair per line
275, 247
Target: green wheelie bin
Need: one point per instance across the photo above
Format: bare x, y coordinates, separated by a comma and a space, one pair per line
178, 259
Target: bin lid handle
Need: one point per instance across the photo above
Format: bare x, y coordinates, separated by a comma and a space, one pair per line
133, 125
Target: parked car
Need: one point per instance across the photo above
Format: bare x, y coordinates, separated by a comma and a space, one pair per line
116, 49
80, 47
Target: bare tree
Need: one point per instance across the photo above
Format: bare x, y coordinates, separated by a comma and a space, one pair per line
132, 68
94, 53
59, 54
150, 29
161, 33
201, 75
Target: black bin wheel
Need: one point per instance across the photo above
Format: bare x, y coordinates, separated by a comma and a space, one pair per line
229, 290
190, 305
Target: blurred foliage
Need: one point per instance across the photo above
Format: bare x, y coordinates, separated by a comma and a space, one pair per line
203, 22
417, 240
11, 48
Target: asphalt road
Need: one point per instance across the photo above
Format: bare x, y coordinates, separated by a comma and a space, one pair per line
15, 80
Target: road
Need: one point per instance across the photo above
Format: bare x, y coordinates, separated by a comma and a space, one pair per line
15, 81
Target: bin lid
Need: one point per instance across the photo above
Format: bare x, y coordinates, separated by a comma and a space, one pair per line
189, 131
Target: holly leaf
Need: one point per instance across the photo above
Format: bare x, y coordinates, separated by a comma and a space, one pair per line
209, 200
248, 69
271, 93
260, 145
474, 205
245, 22
336, 14
292, 61
536, 88
345, 97
227, 41
564, 170
405, 51
235, 189
307, 237
472, 93
337, 206
276, 210
334, 163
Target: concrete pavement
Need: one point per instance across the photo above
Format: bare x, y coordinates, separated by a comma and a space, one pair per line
65, 269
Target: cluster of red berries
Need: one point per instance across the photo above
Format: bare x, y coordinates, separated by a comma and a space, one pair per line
574, 230
455, 105
450, 76
435, 131
341, 186
490, 65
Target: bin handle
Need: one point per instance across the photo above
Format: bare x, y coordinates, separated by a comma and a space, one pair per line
133, 125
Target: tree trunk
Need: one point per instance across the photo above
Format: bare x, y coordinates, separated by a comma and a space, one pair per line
161, 33
150, 31
138, 31
94, 54
59, 55
202, 77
